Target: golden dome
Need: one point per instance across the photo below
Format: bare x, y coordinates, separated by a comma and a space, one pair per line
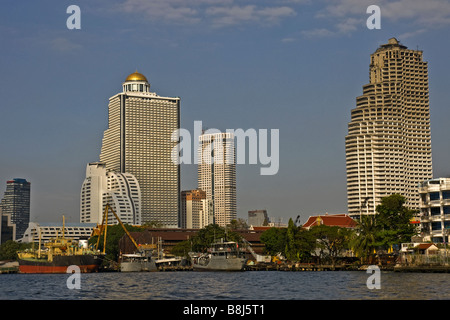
136, 76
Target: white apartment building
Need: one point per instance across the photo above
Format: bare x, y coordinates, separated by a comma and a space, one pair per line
139, 141
435, 209
217, 174
120, 190
388, 146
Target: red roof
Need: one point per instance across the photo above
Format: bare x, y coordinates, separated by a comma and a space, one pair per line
339, 220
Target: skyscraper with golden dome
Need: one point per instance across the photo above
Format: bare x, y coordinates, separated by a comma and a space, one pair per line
139, 141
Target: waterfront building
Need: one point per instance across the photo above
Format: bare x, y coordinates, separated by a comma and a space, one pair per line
16, 204
258, 218
388, 146
435, 210
217, 174
120, 190
139, 141
47, 231
196, 210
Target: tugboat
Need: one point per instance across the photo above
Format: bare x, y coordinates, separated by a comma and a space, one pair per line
58, 255
222, 256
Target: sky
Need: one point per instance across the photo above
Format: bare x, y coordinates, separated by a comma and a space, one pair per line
292, 65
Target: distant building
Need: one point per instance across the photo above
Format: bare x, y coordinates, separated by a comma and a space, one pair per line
7, 228
388, 146
337, 220
196, 210
120, 190
435, 210
47, 231
258, 218
16, 204
217, 174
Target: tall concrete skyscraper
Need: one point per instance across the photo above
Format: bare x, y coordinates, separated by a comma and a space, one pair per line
16, 204
217, 174
388, 146
139, 141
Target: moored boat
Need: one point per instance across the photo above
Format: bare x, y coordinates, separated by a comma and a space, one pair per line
222, 256
58, 254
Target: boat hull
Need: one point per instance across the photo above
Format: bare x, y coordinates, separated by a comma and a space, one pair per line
87, 264
236, 264
138, 266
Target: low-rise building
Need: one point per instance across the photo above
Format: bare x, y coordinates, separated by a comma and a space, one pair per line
435, 210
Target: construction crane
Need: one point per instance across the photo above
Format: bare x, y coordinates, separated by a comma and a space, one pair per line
104, 229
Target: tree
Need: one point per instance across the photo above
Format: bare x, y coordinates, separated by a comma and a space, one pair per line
8, 249
394, 221
181, 249
274, 240
212, 233
331, 241
113, 235
364, 240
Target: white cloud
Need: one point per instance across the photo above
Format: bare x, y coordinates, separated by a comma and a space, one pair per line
235, 15
64, 45
216, 13
348, 16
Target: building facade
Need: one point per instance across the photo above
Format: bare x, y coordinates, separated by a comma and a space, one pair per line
388, 146
48, 231
139, 141
196, 210
258, 218
217, 174
16, 204
120, 190
435, 210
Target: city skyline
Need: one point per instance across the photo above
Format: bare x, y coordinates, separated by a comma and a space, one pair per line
288, 65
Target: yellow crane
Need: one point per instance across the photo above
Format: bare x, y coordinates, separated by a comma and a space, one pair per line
104, 228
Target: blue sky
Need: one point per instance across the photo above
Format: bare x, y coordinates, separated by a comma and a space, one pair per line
292, 65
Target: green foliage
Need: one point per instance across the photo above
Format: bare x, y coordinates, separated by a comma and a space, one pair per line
393, 221
274, 240
181, 249
331, 240
364, 241
212, 233
8, 250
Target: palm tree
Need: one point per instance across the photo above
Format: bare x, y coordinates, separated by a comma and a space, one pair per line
364, 242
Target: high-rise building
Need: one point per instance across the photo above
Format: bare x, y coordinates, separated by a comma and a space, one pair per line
195, 210
388, 146
217, 174
139, 141
120, 190
16, 204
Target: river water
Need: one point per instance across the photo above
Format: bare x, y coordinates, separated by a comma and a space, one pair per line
237, 286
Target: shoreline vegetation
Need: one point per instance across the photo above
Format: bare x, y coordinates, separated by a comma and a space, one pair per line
375, 241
